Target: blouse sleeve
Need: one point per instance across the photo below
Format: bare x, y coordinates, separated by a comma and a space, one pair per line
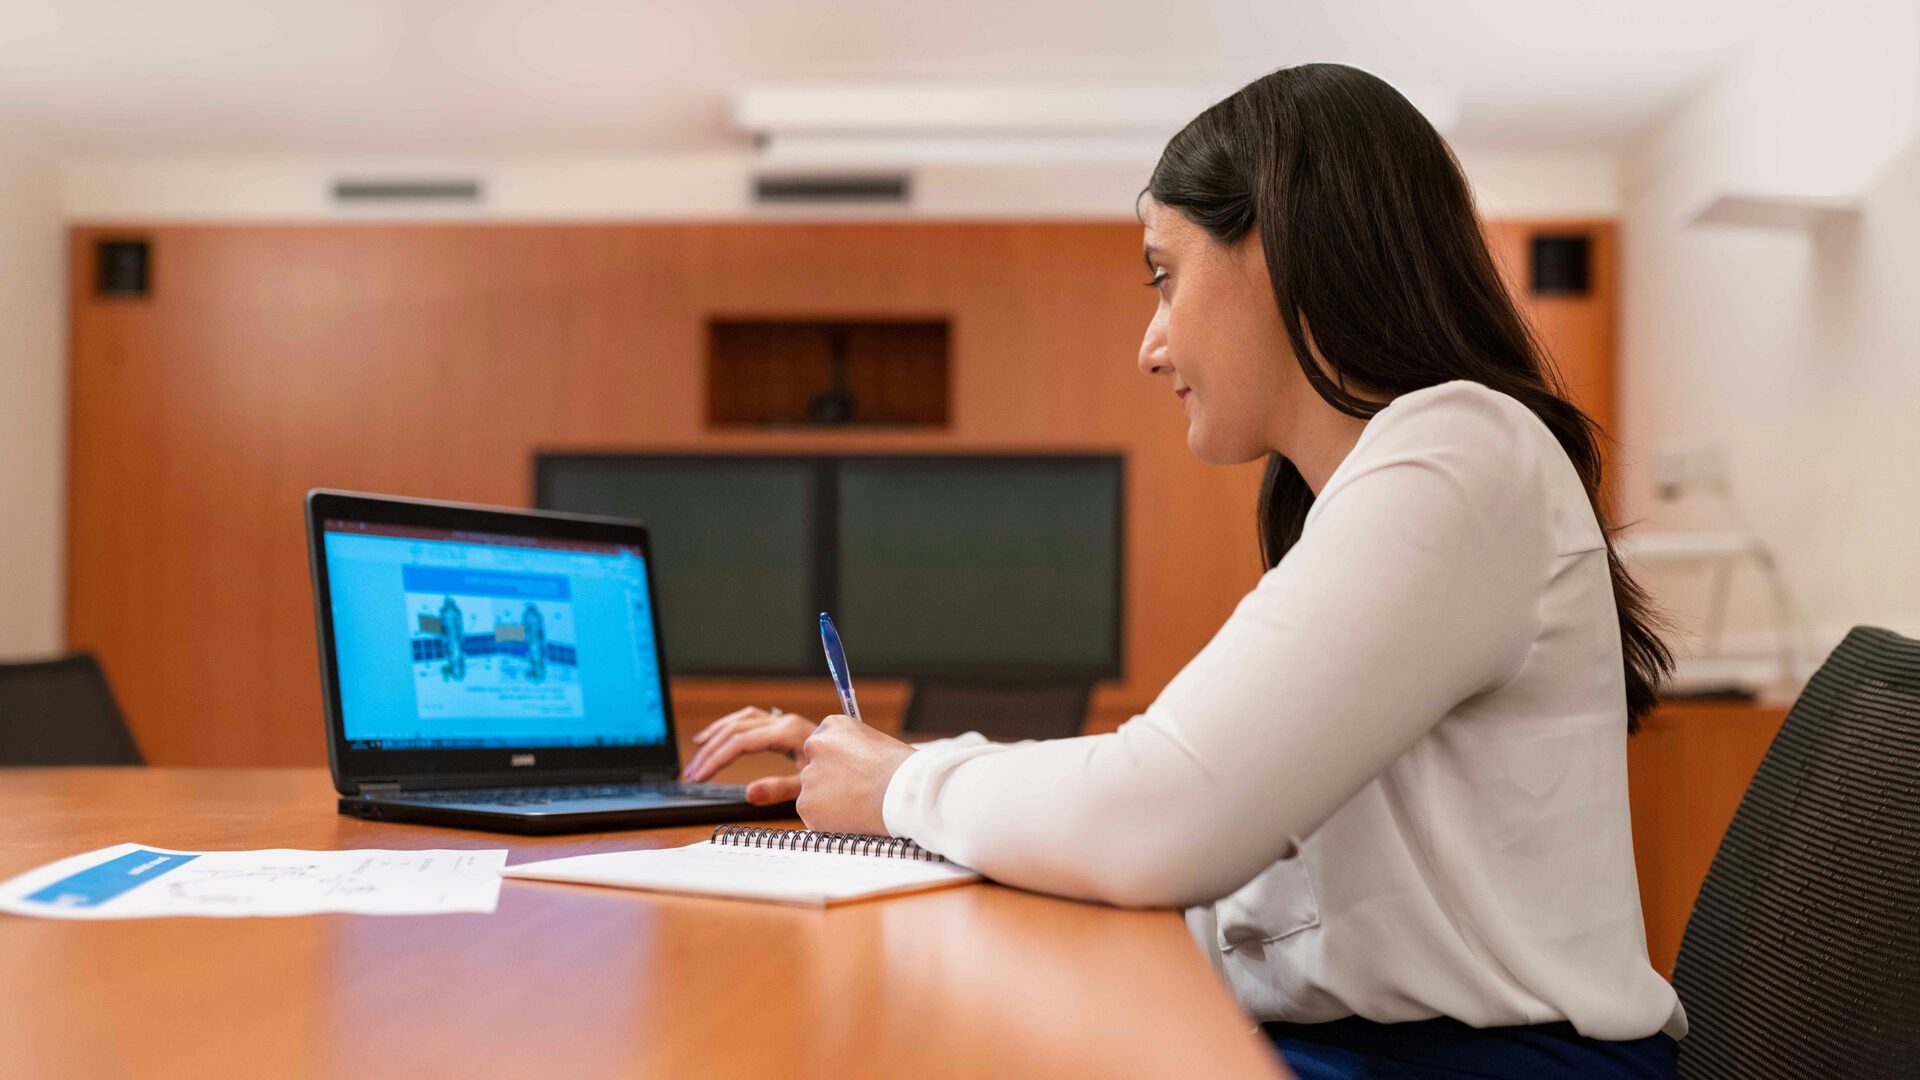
1414, 586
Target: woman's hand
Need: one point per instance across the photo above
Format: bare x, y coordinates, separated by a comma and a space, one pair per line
745, 732
845, 767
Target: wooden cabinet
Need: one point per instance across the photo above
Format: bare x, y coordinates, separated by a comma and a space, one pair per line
1686, 772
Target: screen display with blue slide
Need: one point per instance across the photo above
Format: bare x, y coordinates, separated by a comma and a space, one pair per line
461, 640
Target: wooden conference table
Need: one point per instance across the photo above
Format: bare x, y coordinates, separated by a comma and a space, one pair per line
567, 980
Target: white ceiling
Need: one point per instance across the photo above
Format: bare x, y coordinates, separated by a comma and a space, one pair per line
641, 76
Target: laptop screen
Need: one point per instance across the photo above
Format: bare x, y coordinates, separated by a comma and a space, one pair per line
447, 640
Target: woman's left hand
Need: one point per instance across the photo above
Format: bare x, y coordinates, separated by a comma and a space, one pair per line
844, 781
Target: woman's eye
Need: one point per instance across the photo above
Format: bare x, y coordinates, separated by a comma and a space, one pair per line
1159, 279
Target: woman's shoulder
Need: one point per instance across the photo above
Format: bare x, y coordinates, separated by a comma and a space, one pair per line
1468, 427
1479, 410
1492, 448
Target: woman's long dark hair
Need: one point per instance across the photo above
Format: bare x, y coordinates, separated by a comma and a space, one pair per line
1372, 242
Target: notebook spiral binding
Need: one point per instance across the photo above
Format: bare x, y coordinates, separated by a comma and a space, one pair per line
890, 847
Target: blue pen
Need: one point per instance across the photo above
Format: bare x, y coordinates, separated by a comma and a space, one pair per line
837, 664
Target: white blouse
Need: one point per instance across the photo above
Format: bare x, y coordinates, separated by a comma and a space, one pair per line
1395, 783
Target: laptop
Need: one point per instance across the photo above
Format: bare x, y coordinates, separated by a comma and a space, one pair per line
498, 669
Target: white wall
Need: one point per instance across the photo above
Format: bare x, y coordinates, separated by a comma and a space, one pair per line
33, 404
1796, 350
1542, 183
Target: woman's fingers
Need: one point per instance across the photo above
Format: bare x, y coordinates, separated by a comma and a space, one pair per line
713, 730
743, 741
697, 765
715, 733
724, 751
743, 732
773, 789
709, 758
707, 732
693, 763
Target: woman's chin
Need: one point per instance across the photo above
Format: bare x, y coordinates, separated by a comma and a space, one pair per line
1213, 452
1202, 448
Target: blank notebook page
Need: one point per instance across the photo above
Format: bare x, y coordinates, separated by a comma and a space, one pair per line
806, 878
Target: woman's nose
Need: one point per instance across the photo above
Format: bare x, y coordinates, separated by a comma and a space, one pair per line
1153, 346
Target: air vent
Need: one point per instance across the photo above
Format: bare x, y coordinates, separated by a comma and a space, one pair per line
833, 188
406, 192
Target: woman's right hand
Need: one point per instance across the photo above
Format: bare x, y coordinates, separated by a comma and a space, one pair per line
748, 731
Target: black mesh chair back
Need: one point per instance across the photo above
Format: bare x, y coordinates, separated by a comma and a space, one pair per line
61, 712
1002, 711
1802, 957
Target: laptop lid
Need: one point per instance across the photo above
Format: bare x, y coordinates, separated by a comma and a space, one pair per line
483, 645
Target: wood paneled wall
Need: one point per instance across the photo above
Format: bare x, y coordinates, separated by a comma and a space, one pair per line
434, 360
1579, 331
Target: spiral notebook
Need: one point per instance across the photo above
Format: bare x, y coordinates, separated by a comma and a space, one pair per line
784, 866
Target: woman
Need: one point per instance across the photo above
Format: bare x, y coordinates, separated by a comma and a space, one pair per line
1392, 790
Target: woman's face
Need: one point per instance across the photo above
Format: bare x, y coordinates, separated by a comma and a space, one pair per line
1216, 336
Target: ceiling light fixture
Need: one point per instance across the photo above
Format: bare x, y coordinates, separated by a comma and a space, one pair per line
902, 124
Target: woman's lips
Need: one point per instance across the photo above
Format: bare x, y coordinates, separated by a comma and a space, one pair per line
1182, 393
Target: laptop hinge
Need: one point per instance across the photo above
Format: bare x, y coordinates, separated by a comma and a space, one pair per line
383, 788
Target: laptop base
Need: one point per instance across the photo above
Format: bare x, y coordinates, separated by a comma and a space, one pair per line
550, 823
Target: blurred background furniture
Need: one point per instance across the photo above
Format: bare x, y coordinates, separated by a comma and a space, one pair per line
1687, 770
1002, 711
1692, 475
1802, 957
62, 712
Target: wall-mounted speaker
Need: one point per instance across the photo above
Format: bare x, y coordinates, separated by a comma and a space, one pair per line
124, 268
1562, 264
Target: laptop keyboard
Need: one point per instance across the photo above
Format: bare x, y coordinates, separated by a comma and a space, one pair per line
546, 796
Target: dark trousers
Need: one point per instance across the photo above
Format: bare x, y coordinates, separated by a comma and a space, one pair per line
1445, 1049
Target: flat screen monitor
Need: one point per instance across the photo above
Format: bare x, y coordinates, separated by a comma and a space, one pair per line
736, 538
962, 566
980, 566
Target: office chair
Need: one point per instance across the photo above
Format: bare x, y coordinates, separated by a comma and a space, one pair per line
62, 712
1802, 956
1002, 711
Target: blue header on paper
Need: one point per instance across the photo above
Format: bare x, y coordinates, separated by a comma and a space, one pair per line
98, 884
444, 579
